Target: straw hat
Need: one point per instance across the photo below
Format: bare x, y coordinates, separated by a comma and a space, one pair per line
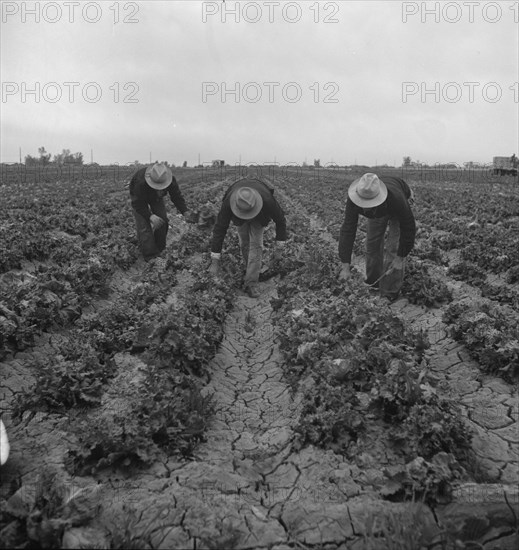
158, 176
368, 191
246, 203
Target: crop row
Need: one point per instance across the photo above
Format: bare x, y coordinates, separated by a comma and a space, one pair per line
70, 240
77, 372
363, 371
422, 284
60, 244
482, 222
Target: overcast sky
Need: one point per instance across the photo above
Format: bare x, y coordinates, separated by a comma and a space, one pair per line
346, 81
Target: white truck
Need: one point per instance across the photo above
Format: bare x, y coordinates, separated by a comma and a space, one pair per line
505, 166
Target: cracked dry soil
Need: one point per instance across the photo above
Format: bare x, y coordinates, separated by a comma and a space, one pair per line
489, 404
246, 487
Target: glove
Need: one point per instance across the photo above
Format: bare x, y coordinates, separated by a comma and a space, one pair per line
278, 250
214, 268
345, 273
397, 264
156, 222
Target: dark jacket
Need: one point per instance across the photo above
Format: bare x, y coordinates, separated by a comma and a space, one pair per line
395, 206
142, 194
270, 211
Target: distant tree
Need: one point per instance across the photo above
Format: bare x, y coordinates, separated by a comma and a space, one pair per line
60, 157
317, 163
305, 164
66, 157
406, 161
31, 160
184, 164
44, 156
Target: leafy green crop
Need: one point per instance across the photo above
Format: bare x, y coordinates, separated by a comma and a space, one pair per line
490, 332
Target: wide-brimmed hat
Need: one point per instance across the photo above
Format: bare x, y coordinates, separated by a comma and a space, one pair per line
158, 176
368, 191
246, 203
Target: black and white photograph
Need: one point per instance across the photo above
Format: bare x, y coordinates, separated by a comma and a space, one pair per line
259, 274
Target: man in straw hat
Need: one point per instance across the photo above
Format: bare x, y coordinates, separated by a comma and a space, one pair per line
148, 187
385, 201
250, 205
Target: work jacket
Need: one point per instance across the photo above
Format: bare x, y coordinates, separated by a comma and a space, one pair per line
142, 195
395, 206
270, 211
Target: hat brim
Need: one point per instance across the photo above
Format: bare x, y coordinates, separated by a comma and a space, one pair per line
367, 203
154, 184
248, 214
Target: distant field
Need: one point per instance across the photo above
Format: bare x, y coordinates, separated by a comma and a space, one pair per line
15, 173
153, 384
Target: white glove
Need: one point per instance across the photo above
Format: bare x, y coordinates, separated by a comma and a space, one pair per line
156, 222
345, 273
397, 264
215, 268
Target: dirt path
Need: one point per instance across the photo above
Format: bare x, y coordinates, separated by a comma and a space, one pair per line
490, 404
246, 487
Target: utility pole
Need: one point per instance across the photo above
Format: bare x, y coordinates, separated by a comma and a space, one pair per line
150, 157
20, 151
91, 156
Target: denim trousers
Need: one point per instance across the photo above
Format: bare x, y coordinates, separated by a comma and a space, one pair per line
151, 244
381, 250
250, 235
